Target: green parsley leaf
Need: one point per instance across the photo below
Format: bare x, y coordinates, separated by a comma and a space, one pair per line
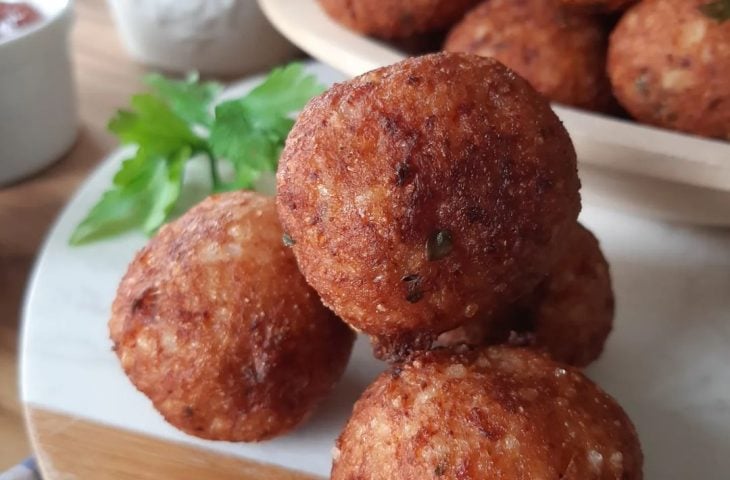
284, 91
145, 189
251, 151
153, 125
144, 192
165, 189
718, 10
116, 212
190, 99
250, 132
164, 125
121, 207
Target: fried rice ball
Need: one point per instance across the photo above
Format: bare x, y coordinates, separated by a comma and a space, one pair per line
669, 63
569, 315
497, 412
215, 324
598, 6
562, 53
391, 19
421, 194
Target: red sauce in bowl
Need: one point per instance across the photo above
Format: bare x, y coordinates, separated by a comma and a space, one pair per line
14, 16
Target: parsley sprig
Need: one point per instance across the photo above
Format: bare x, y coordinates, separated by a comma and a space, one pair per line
176, 122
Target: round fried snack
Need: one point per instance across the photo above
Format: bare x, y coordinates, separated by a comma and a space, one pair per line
391, 19
215, 324
562, 53
569, 315
669, 63
598, 6
498, 412
422, 194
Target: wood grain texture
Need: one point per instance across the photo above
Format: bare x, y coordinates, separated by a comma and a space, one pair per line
13, 445
105, 78
70, 448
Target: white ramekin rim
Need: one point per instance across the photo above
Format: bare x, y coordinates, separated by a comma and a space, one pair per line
49, 17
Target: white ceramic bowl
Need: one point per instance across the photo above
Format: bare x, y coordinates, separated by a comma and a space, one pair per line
224, 37
37, 102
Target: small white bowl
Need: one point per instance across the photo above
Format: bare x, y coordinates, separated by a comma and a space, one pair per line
219, 37
38, 120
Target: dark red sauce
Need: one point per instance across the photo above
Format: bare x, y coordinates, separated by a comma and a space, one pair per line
14, 16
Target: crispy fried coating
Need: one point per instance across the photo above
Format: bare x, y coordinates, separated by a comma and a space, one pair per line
598, 6
215, 324
497, 412
569, 315
422, 194
391, 19
562, 53
669, 63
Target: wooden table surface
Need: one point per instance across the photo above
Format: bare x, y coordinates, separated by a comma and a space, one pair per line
105, 79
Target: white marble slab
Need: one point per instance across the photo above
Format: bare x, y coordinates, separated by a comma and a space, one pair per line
667, 362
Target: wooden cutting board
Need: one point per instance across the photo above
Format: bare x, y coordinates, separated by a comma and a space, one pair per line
69, 447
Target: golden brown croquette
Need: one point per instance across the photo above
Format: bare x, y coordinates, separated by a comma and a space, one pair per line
392, 19
598, 6
496, 412
215, 324
669, 63
423, 194
569, 315
562, 53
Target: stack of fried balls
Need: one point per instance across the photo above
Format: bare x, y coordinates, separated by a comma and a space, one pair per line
432, 206
663, 62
